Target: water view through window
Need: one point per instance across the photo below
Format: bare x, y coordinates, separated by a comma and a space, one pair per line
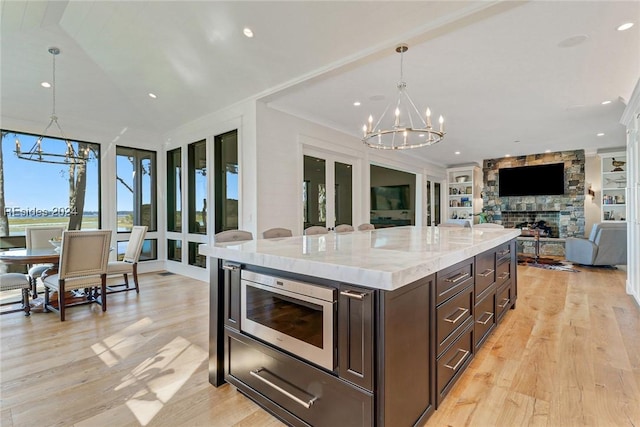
56, 182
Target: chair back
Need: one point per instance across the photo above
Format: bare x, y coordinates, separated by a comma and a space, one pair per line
84, 253
343, 228
38, 237
134, 247
276, 232
232, 236
456, 223
315, 229
366, 226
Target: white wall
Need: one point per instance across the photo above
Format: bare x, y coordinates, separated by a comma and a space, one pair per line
593, 178
281, 141
631, 119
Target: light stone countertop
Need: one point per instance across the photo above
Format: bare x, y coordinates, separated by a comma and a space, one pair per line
387, 258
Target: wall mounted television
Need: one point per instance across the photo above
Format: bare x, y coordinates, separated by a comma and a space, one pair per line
538, 180
391, 197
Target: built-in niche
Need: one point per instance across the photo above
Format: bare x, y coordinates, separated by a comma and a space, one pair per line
564, 213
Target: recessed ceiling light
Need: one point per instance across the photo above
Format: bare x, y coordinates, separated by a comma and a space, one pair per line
547, 151
457, 153
625, 26
507, 155
247, 32
516, 141
421, 135
600, 134
45, 84
152, 95
356, 104
606, 102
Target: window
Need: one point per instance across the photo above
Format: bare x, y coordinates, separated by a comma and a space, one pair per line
174, 190
197, 176
226, 190
48, 186
135, 188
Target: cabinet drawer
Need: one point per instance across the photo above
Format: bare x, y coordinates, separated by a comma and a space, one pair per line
503, 273
453, 279
485, 273
503, 253
450, 317
484, 318
314, 396
504, 300
452, 363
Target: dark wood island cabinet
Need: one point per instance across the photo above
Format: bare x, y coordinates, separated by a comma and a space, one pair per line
386, 357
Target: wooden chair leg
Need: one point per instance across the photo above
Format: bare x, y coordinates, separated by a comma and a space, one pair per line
103, 290
135, 277
61, 301
46, 300
25, 302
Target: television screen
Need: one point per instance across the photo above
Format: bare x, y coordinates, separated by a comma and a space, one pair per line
391, 197
539, 180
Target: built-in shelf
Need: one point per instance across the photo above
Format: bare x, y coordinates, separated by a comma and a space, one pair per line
613, 205
464, 185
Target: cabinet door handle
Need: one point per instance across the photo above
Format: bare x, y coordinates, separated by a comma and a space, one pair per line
462, 313
352, 294
506, 302
465, 353
487, 272
503, 275
503, 253
230, 267
457, 278
256, 373
489, 317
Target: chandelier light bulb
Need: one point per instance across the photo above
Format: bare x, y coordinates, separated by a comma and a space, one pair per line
364, 130
428, 118
370, 122
441, 121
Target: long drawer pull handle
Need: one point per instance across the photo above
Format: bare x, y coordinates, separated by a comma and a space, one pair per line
503, 253
487, 272
296, 399
354, 295
506, 303
462, 313
458, 278
230, 267
489, 317
503, 275
465, 353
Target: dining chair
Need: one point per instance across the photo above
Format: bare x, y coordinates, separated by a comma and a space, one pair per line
84, 256
129, 263
314, 230
366, 226
343, 228
38, 238
276, 232
14, 281
232, 236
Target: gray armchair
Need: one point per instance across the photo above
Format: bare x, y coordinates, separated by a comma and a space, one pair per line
606, 245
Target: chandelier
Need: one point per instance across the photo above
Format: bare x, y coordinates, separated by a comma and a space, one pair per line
406, 127
36, 153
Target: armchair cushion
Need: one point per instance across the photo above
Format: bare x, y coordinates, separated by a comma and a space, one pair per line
606, 245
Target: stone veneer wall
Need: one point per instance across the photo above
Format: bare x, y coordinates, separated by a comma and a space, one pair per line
570, 206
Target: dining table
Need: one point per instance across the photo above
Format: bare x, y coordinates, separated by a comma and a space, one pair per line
23, 256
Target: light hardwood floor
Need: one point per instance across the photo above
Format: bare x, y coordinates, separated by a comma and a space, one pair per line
569, 355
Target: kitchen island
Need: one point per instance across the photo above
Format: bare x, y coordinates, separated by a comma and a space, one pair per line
367, 328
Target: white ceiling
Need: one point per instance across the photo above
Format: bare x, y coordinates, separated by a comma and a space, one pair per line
493, 69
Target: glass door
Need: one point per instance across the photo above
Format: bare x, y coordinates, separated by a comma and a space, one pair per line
433, 210
327, 190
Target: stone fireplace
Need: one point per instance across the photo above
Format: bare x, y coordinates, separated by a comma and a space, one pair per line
563, 213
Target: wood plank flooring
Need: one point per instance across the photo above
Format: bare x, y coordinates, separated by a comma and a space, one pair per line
569, 355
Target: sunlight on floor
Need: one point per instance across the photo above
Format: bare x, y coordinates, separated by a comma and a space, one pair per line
118, 346
159, 379
155, 381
